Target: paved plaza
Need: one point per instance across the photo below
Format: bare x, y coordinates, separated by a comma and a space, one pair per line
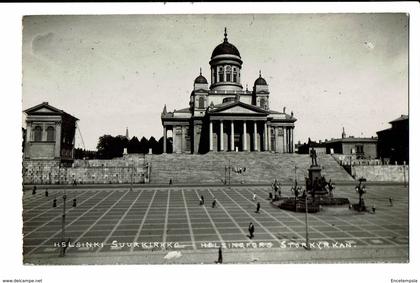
145, 225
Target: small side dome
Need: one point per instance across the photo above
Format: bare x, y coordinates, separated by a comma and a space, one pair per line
200, 79
260, 81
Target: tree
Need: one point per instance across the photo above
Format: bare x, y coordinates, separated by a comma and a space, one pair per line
134, 145
121, 142
105, 147
154, 145
144, 145
110, 147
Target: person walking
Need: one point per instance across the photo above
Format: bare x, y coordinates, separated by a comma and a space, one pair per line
34, 190
390, 202
251, 230
46, 192
254, 196
258, 208
220, 258
201, 200
213, 205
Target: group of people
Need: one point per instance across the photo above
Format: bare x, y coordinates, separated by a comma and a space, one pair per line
213, 204
275, 195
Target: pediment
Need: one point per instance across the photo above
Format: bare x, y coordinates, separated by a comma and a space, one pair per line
239, 108
43, 110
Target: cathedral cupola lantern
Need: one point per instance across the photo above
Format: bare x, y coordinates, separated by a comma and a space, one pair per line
225, 66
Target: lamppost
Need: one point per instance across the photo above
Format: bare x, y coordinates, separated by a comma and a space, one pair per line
405, 180
228, 168
63, 226
131, 184
63, 223
361, 190
306, 220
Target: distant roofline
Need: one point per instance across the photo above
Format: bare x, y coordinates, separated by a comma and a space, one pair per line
401, 118
352, 139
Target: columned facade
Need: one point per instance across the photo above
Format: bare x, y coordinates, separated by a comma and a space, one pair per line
223, 116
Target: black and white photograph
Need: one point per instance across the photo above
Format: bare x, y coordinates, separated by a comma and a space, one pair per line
271, 139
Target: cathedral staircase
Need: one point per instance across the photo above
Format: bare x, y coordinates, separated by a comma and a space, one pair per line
260, 168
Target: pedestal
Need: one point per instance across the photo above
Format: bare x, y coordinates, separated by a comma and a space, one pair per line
314, 173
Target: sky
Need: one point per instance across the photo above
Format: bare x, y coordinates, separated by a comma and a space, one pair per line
112, 72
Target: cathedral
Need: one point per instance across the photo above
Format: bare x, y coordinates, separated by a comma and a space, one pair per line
224, 116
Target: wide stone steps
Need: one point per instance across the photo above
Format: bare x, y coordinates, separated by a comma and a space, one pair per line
260, 168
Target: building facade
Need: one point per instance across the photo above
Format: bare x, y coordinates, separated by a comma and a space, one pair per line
224, 116
50, 134
353, 147
393, 143
360, 148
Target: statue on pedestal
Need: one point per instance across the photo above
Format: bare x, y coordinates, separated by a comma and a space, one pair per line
313, 157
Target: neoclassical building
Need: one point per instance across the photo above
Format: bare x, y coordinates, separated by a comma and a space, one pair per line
224, 116
50, 134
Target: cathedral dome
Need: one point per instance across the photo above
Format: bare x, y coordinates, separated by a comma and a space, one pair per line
200, 80
260, 81
225, 48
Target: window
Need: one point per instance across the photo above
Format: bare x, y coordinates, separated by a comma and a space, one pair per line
221, 74
38, 133
228, 73
201, 102
235, 76
50, 133
262, 102
359, 149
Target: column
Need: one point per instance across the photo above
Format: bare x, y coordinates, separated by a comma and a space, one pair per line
28, 138
211, 135
232, 136
57, 148
244, 147
288, 140
284, 140
182, 139
221, 135
269, 138
276, 136
174, 141
255, 136
164, 139
265, 137
291, 140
